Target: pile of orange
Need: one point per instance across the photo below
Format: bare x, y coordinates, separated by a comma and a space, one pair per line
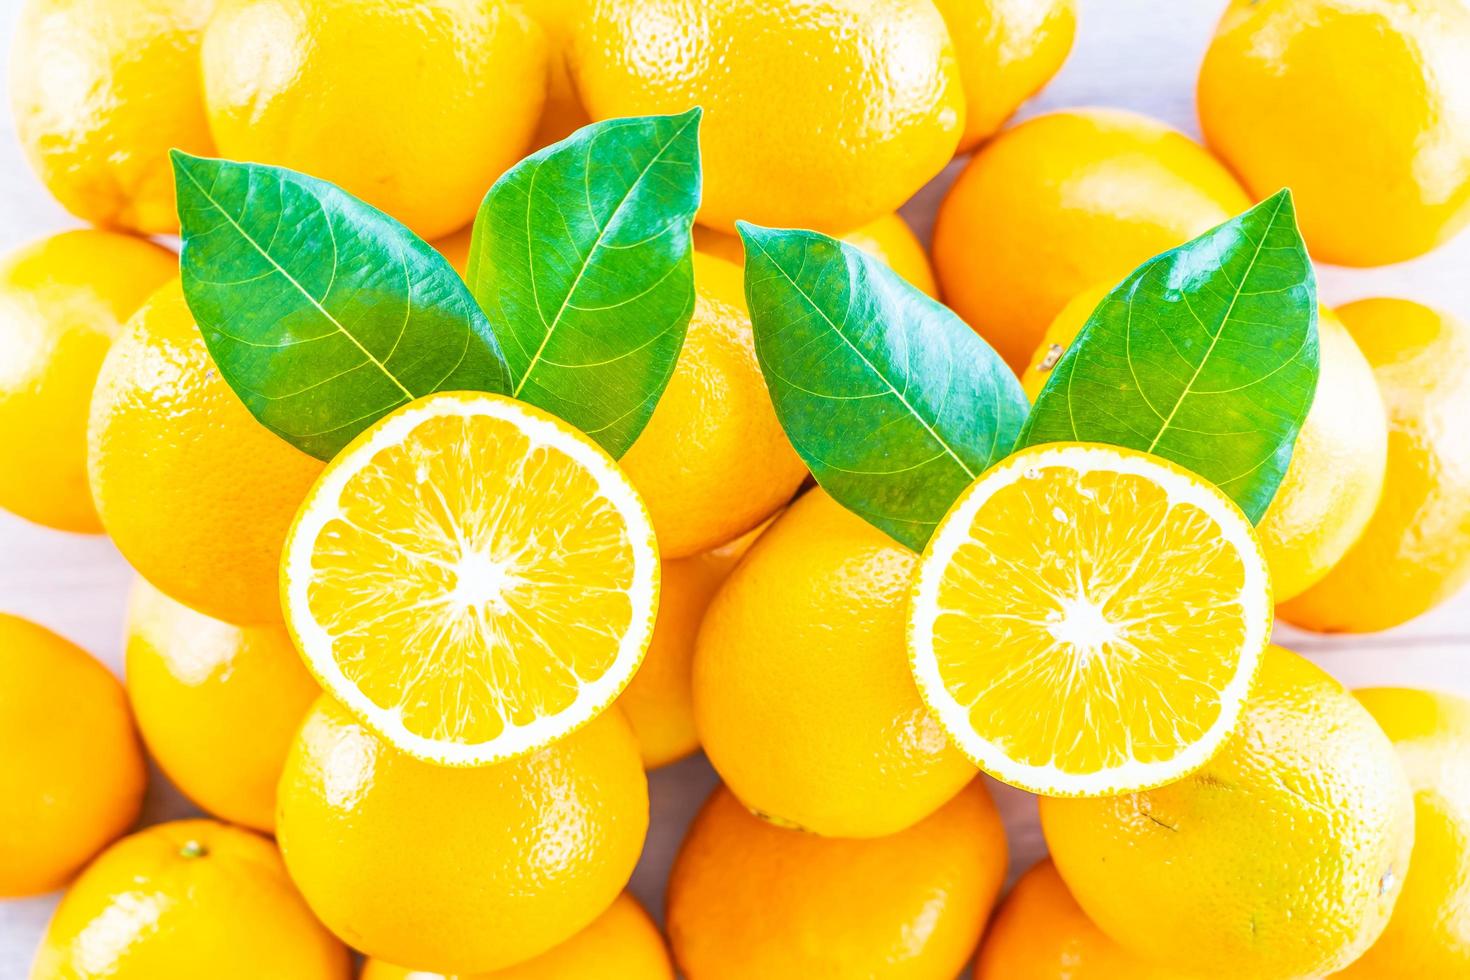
700, 593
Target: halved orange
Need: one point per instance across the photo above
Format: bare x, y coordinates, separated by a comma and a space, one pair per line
472, 577
1087, 620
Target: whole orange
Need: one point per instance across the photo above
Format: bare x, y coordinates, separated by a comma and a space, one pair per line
621, 944
1008, 49
748, 899
888, 238
1377, 159
713, 461
659, 701
803, 695
1415, 551
102, 90
820, 114
62, 300
73, 774
195, 492
184, 901
1061, 203
218, 705
1040, 933
459, 870
415, 106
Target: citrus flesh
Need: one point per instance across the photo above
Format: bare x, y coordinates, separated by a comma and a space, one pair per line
1088, 620
472, 577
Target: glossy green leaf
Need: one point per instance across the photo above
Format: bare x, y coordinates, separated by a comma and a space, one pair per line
323, 313
581, 256
893, 402
1205, 355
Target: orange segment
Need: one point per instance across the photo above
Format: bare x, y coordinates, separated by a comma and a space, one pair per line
1088, 619
473, 577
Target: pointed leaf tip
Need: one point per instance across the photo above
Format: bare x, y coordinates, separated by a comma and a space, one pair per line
1205, 355
591, 303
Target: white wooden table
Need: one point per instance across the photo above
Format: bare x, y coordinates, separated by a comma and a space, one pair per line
1138, 54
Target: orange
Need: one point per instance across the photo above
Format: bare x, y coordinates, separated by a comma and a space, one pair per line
218, 705
472, 577
1281, 858
1088, 620
102, 90
659, 701
621, 944
1429, 934
888, 238
1008, 49
459, 870
1378, 161
186, 900
1060, 333
821, 114
747, 899
1061, 203
802, 693
415, 106
456, 248
1329, 491
713, 461
563, 113
62, 300
195, 492
1415, 551
73, 775
1040, 933
1331, 488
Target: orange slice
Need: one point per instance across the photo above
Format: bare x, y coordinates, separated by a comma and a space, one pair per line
472, 577
1087, 620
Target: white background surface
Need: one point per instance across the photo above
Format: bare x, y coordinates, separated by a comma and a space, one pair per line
1138, 54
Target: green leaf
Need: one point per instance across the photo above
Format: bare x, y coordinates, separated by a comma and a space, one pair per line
1205, 355
581, 256
893, 402
323, 313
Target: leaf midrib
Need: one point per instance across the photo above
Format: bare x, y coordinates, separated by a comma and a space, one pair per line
811, 302
587, 262
407, 395
1214, 340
